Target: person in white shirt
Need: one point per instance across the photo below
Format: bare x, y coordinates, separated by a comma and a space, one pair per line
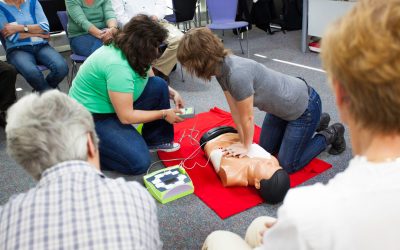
73, 206
126, 9
359, 208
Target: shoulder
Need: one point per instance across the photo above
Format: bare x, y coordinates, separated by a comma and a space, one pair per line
132, 191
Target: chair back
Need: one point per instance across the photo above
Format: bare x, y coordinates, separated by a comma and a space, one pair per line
222, 10
62, 15
184, 10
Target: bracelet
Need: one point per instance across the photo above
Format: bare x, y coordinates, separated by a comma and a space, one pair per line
164, 114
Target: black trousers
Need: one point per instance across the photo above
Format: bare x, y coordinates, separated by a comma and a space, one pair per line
8, 76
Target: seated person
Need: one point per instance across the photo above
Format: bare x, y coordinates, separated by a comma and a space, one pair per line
358, 208
116, 85
8, 76
26, 29
258, 168
90, 24
73, 206
126, 9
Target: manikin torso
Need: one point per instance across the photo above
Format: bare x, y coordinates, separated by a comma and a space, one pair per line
246, 171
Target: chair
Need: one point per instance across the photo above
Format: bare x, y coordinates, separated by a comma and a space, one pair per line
3, 42
75, 59
222, 14
184, 11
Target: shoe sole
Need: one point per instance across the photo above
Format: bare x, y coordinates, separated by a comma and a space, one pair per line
166, 150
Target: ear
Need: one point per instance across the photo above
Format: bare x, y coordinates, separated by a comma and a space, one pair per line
340, 93
91, 149
342, 99
257, 183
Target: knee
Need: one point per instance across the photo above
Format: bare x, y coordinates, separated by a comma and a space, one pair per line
158, 84
289, 166
60, 68
139, 164
10, 71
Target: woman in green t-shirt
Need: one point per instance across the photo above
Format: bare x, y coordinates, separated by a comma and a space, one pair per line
117, 86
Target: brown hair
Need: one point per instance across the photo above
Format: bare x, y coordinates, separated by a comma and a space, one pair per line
139, 41
362, 52
201, 52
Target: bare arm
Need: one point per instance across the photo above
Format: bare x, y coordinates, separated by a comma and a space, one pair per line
123, 105
242, 113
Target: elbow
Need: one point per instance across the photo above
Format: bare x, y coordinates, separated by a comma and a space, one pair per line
125, 121
248, 119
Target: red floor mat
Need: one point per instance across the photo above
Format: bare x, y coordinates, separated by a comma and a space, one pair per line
224, 201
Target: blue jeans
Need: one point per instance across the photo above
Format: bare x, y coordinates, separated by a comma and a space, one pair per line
26, 58
293, 141
122, 148
85, 45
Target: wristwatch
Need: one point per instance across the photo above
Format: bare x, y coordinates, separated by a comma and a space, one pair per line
26, 29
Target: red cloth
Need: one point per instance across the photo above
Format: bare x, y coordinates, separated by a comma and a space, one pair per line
207, 186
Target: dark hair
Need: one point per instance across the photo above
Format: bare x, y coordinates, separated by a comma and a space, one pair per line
275, 188
139, 41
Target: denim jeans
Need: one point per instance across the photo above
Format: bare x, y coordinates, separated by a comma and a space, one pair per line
26, 58
293, 141
122, 148
85, 45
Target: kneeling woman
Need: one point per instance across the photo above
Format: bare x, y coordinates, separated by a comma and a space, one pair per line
293, 107
114, 85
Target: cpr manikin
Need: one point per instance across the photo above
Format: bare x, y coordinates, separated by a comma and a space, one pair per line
259, 168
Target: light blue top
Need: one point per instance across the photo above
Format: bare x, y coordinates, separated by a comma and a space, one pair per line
30, 13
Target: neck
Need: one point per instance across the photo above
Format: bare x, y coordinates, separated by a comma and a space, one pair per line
375, 146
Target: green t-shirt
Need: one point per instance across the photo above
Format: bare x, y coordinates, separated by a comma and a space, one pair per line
105, 70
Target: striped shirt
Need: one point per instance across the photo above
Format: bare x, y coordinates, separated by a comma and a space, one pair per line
74, 206
30, 13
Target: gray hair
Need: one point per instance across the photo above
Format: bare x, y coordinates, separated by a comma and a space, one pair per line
45, 130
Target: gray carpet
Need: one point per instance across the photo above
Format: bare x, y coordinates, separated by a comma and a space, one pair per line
185, 223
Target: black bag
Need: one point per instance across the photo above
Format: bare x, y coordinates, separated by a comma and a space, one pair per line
243, 14
292, 13
262, 13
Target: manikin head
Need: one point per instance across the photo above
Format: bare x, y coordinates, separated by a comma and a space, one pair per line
258, 169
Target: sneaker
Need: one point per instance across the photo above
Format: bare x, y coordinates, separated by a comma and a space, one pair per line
165, 147
314, 47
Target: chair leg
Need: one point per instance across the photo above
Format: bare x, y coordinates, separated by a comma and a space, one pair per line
73, 73
247, 41
183, 79
240, 41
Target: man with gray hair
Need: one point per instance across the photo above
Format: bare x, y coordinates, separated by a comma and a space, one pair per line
74, 206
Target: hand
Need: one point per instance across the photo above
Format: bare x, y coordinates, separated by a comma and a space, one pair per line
106, 35
10, 29
154, 18
267, 225
44, 36
236, 150
172, 117
178, 100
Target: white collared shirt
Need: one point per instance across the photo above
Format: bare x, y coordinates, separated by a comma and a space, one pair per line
358, 209
74, 206
126, 9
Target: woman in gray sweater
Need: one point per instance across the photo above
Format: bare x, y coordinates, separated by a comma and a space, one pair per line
293, 107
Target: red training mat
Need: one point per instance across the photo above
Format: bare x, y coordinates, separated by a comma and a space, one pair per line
207, 186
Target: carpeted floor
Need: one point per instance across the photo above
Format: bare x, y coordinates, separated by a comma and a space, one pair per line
185, 223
